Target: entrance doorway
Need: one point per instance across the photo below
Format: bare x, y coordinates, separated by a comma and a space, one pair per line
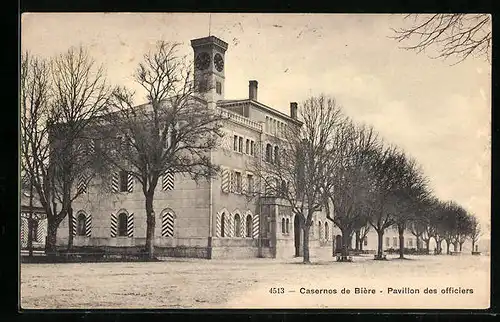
338, 244
297, 231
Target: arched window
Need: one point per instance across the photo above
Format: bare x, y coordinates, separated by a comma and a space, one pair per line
327, 232
80, 225
122, 224
223, 225
319, 230
269, 153
287, 225
237, 225
249, 226
283, 226
276, 155
167, 225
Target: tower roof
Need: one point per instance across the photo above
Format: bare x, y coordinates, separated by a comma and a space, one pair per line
208, 41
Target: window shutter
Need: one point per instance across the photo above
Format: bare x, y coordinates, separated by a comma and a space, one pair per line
114, 182
130, 225
73, 222
225, 180
88, 225
167, 227
91, 146
232, 185
218, 228
114, 225
82, 184
255, 226
168, 181
24, 232
130, 183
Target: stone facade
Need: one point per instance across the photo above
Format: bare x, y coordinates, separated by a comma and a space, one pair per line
215, 219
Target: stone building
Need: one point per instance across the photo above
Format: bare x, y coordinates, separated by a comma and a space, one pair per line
214, 219
36, 212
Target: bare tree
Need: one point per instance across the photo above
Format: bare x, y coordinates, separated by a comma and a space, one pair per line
58, 102
417, 226
427, 211
410, 192
452, 35
475, 231
463, 228
297, 172
174, 132
347, 185
385, 170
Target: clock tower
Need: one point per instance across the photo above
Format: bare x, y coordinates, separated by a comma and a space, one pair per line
209, 67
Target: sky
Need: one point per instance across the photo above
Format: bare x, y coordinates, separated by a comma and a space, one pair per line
437, 112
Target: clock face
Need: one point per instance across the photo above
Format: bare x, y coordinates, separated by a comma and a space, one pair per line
202, 61
218, 62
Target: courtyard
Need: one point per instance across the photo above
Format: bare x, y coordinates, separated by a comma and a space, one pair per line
444, 281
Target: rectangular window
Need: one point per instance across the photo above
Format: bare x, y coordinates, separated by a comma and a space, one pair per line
365, 241
395, 242
240, 145
387, 244
218, 88
123, 181
235, 143
410, 242
238, 181
250, 183
252, 144
247, 146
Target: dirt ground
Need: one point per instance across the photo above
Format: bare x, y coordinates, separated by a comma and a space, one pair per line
197, 283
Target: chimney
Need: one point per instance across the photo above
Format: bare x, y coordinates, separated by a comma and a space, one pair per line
252, 90
293, 110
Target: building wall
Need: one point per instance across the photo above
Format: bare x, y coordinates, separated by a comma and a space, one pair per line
188, 202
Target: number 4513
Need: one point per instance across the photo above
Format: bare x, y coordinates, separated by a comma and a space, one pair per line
277, 290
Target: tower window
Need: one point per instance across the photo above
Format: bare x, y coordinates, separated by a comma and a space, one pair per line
218, 87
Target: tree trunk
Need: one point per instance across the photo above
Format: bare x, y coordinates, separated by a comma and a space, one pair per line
419, 241
460, 246
305, 249
473, 246
361, 244
150, 226
50, 240
401, 242
438, 246
358, 240
380, 234
346, 238
448, 247
428, 245
455, 246
70, 228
